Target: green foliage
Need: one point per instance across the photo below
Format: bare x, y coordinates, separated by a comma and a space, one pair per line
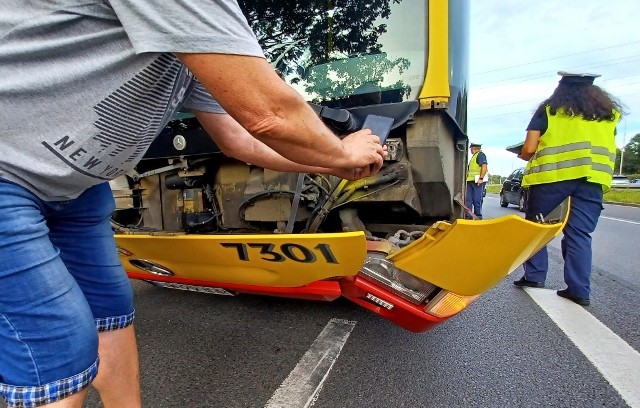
628, 196
493, 188
496, 179
339, 78
631, 160
330, 47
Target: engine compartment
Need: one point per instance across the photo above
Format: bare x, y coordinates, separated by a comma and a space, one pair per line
185, 184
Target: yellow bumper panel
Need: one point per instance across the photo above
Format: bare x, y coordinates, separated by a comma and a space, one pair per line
469, 257
283, 260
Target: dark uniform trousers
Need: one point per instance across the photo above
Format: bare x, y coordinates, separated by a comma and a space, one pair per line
586, 205
473, 198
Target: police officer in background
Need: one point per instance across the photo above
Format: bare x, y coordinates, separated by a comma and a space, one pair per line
570, 145
476, 173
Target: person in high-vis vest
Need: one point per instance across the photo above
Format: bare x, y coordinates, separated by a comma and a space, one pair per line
476, 173
570, 145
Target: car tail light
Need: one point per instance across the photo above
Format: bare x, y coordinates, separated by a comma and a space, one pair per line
446, 304
377, 268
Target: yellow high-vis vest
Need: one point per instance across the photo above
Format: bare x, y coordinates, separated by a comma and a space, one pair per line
572, 148
474, 168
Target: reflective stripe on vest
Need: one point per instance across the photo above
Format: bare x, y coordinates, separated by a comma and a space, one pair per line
587, 150
474, 168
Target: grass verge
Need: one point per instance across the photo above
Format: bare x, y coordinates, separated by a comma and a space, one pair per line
615, 195
622, 195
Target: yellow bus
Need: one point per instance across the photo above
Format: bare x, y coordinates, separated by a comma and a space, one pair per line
394, 243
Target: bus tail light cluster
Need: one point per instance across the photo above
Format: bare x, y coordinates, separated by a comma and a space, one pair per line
439, 302
401, 283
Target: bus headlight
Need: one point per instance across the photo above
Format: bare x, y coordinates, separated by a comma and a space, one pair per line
377, 268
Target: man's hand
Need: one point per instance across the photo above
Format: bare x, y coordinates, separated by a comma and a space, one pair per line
366, 154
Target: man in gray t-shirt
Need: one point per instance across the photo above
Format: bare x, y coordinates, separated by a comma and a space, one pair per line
85, 87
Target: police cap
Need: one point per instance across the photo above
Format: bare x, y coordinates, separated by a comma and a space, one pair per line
475, 145
576, 78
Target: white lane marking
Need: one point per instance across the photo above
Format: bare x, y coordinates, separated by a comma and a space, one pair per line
618, 219
301, 387
613, 357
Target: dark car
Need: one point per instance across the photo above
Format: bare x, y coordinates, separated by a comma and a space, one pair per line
512, 191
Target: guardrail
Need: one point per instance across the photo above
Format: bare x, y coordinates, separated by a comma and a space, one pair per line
626, 186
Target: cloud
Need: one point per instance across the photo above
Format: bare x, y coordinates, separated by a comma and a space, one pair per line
516, 49
501, 162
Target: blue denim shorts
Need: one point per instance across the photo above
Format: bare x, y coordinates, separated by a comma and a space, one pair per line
61, 282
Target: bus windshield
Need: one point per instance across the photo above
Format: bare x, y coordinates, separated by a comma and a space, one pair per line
344, 53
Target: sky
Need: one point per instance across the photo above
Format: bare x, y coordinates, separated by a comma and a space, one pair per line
516, 49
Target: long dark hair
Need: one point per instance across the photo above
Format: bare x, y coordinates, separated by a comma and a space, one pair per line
581, 99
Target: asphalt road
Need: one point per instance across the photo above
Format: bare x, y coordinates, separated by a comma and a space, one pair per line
200, 350
616, 240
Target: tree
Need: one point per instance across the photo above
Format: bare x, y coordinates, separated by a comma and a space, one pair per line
632, 155
331, 81
631, 158
495, 179
330, 48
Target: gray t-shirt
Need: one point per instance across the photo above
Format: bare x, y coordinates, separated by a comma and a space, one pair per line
85, 86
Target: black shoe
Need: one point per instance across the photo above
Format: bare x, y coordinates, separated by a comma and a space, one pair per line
522, 282
581, 301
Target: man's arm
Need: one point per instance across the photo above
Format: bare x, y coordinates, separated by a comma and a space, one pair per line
274, 113
483, 173
530, 144
236, 142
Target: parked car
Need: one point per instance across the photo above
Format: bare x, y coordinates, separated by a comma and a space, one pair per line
618, 180
512, 191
